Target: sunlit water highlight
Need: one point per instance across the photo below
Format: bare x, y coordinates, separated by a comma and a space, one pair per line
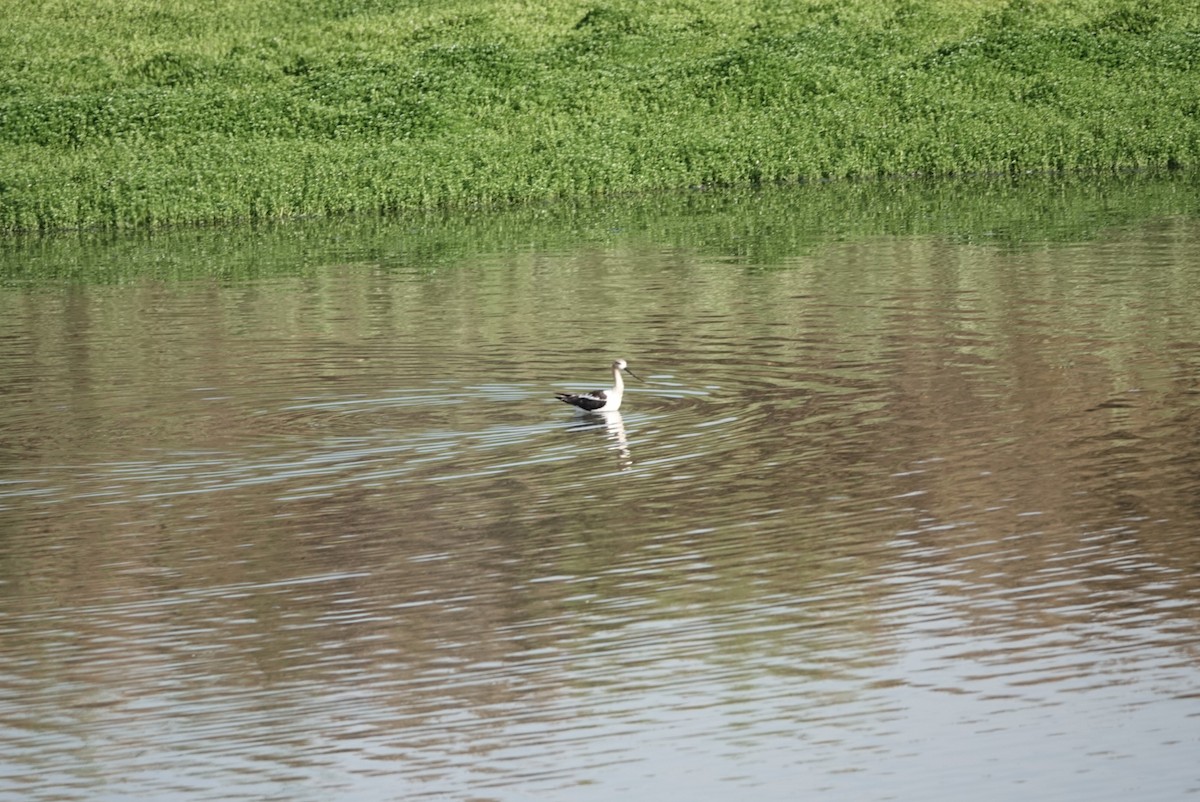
892, 518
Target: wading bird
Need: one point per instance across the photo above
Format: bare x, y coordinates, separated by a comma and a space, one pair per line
601, 400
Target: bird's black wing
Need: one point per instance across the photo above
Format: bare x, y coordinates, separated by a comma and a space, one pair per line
589, 401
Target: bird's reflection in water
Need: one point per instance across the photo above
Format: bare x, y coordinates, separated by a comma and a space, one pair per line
614, 426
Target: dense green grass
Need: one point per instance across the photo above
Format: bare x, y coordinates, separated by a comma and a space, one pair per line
123, 113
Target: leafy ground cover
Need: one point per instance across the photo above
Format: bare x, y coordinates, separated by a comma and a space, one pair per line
134, 113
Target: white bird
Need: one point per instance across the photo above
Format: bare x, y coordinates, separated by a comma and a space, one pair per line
601, 400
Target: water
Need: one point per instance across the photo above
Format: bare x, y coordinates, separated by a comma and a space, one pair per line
906, 508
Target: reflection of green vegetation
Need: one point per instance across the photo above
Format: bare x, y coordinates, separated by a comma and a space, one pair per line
758, 228
118, 114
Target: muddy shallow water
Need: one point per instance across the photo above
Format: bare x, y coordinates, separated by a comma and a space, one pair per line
895, 514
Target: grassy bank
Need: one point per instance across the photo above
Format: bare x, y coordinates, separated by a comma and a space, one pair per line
122, 114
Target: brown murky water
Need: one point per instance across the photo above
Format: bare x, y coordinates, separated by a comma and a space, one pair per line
894, 516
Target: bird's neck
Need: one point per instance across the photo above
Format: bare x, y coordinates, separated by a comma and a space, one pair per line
618, 381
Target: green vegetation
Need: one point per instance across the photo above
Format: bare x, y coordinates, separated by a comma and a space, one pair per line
757, 229
128, 113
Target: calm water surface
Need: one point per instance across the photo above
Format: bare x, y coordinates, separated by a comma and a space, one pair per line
896, 515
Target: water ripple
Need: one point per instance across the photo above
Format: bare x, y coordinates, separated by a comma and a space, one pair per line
914, 515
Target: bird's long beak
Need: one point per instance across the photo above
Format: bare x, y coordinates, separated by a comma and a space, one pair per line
634, 375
